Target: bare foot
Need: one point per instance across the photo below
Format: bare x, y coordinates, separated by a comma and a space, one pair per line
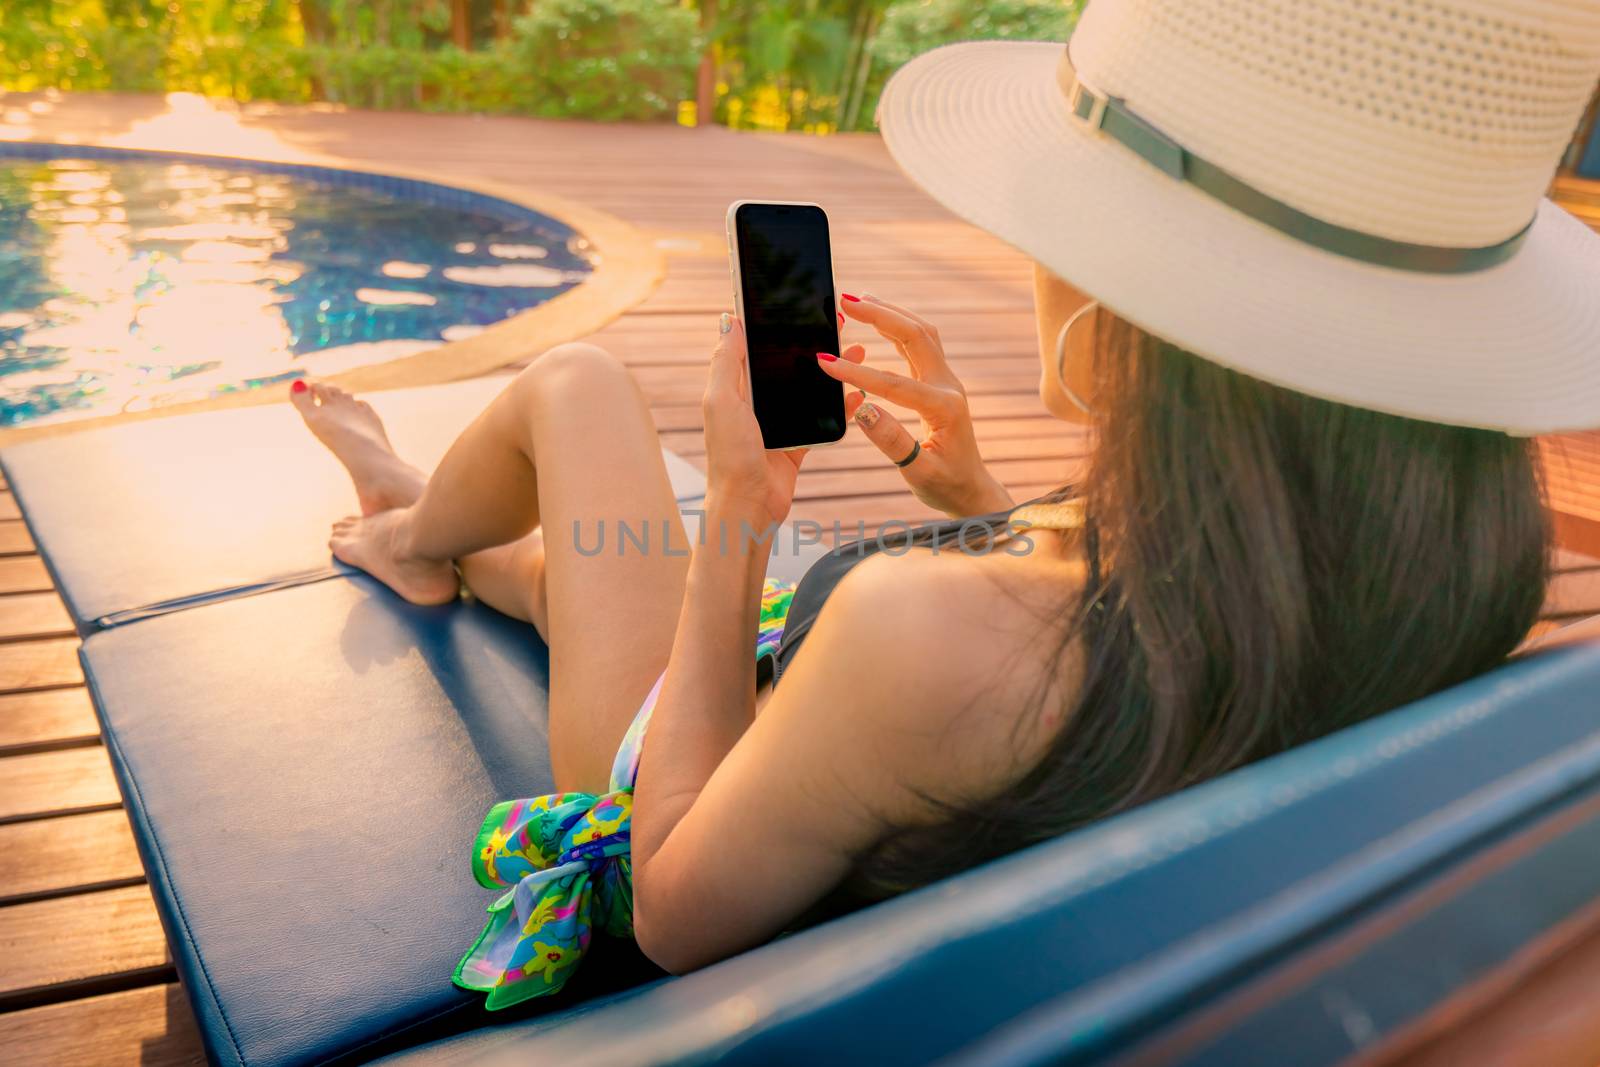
376, 544
354, 434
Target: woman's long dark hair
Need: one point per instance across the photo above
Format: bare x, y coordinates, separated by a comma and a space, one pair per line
1274, 567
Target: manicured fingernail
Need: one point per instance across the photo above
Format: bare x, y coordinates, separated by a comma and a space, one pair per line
299, 386
852, 299
866, 415
841, 318
725, 323
826, 357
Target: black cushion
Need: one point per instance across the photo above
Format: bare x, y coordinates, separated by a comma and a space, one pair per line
304, 772
151, 516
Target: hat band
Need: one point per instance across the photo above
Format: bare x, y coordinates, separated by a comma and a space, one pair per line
1112, 116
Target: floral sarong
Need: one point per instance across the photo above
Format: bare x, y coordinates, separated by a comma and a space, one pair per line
564, 863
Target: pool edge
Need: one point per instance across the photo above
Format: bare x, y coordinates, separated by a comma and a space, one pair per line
629, 268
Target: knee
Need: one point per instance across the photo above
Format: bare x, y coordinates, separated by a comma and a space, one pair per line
575, 361
573, 368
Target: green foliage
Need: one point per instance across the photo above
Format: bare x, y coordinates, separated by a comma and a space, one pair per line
911, 27
78, 53
781, 64
789, 65
607, 59
445, 79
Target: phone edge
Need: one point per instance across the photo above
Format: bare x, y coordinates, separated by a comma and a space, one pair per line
737, 281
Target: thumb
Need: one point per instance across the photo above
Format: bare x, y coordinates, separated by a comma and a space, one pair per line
727, 376
884, 431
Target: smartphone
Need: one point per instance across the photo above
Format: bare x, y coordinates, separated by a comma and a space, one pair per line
783, 290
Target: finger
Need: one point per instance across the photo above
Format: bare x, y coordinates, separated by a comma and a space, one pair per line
927, 400
853, 401
726, 378
917, 340
856, 397
885, 431
899, 309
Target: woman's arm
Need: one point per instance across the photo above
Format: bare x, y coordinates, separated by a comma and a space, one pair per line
907, 688
707, 699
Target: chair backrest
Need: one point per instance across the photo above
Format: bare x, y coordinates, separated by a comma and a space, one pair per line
1317, 901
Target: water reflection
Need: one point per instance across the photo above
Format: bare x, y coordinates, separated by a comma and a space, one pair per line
128, 284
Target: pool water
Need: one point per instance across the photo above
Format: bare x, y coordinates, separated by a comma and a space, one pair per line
127, 284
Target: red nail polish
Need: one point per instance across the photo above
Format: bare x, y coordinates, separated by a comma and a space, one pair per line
828, 356
299, 386
841, 318
852, 299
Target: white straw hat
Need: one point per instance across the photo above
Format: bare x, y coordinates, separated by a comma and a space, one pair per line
1344, 197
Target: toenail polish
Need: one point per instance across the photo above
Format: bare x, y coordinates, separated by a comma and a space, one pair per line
299, 386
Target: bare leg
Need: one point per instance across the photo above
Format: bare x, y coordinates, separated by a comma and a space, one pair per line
509, 578
568, 445
355, 435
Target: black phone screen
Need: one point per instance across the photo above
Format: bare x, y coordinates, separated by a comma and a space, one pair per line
786, 269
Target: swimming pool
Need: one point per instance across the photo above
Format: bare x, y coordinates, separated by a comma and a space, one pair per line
132, 282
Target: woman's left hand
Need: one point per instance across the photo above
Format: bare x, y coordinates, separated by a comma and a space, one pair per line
944, 469
740, 472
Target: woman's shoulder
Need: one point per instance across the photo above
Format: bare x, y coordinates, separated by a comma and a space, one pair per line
961, 647
944, 593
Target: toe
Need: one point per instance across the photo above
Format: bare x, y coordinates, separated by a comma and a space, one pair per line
300, 396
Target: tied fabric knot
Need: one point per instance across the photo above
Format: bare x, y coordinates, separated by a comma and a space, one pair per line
564, 858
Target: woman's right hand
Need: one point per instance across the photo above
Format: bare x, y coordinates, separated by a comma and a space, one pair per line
948, 472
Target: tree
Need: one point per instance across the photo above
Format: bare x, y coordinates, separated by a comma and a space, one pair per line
705, 85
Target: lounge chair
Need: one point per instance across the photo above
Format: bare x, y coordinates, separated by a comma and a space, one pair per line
304, 759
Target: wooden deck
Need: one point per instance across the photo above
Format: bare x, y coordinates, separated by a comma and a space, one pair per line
84, 972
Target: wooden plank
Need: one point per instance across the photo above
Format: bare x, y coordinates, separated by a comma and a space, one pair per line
51, 718
77, 941
23, 574
38, 784
14, 539
1572, 477
885, 479
1572, 594
1534, 1011
691, 442
1003, 406
72, 853
151, 1027
8, 506
32, 615
39, 664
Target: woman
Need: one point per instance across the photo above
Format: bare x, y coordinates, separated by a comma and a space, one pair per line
1311, 497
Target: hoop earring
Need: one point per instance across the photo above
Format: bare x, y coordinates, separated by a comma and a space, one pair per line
1061, 356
